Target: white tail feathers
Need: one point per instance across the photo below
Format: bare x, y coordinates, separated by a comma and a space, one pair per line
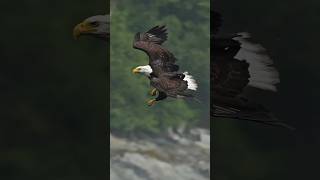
192, 84
262, 73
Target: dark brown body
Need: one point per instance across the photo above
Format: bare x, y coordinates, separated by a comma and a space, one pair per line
165, 76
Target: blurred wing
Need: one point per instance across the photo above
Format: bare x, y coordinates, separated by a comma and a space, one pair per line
230, 76
160, 59
242, 109
238, 63
263, 74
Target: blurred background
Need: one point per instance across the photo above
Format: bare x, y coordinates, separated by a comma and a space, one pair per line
53, 92
289, 31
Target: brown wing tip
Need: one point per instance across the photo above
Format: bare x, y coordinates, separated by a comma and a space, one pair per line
159, 31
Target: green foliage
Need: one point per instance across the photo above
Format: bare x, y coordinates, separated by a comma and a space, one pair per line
188, 27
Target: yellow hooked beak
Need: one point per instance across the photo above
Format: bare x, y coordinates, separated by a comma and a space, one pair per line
82, 28
136, 70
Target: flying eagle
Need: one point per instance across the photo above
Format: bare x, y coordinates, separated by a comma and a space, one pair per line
97, 26
162, 71
236, 65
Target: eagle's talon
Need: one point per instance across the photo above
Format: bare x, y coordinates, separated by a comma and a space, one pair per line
153, 92
151, 102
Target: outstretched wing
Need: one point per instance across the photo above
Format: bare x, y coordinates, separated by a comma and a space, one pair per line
157, 35
160, 59
237, 64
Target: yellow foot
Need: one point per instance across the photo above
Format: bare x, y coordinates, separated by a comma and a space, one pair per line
151, 102
153, 92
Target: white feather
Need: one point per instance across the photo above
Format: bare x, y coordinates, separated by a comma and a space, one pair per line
262, 73
192, 84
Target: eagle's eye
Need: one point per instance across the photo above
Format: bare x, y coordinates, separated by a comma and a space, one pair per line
94, 24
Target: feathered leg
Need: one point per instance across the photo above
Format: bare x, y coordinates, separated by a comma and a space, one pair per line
160, 97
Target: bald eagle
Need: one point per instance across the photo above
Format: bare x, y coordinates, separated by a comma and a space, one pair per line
97, 26
236, 65
162, 71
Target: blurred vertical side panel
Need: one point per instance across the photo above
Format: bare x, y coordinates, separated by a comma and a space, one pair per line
167, 139
54, 86
255, 150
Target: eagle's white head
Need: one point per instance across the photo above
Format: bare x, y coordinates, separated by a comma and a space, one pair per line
97, 26
145, 70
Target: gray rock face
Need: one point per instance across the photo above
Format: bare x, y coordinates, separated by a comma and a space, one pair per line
161, 159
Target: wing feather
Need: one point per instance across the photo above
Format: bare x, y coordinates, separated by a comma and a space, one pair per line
160, 59
237, 64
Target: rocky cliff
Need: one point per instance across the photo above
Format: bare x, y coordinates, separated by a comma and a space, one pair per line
176, 157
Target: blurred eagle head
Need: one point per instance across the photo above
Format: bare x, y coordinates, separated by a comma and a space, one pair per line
97, 26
